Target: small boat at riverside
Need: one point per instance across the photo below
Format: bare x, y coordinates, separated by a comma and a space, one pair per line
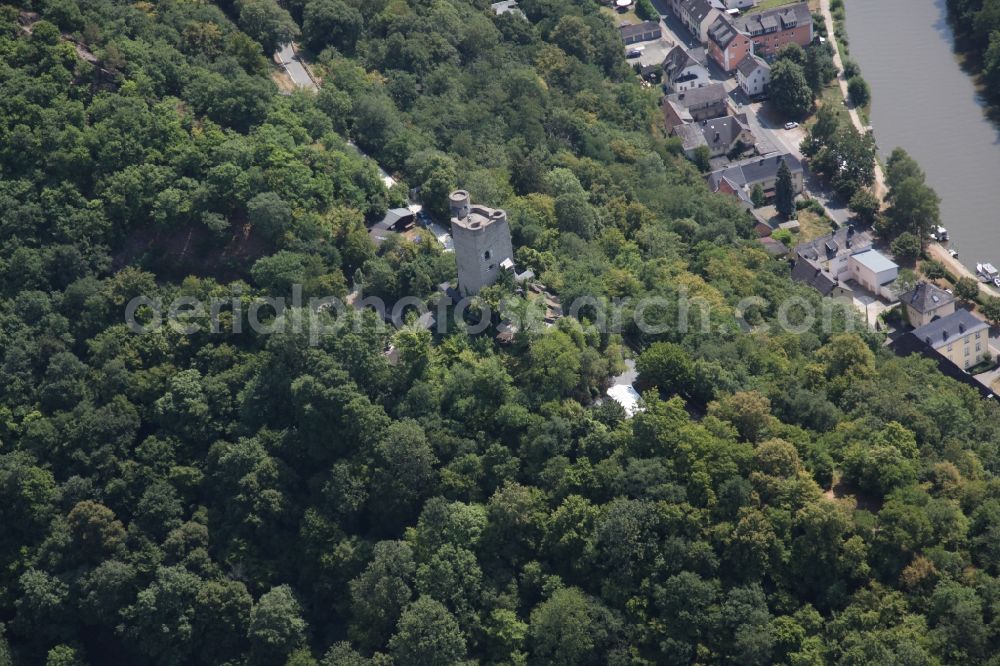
986, 272
939, 234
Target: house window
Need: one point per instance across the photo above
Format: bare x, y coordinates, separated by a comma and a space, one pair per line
979, 346
949, 347
977, 334
966, 351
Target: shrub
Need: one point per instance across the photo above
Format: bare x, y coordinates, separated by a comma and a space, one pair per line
858, 90
934, 270
644, 9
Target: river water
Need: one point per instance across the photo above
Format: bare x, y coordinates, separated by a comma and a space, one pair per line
924, 102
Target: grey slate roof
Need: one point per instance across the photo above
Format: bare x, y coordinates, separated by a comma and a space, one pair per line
677, 60
722, 32
774, 247
723, 131
946, 330
690, 135
754, 170
925, 297
393, 217
842, 241
811, 274
699, 9
698, 97
751, 63
764, 168
779, 17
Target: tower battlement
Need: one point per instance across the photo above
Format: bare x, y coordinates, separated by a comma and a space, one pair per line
482, 242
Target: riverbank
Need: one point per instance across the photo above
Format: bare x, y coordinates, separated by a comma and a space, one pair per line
939, 253
942, 126
838, 62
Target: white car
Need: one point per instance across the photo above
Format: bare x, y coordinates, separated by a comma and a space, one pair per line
791, 125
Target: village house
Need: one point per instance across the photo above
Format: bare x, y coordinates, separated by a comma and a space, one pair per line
739, 4
753, 75
739, 178
726, 45
698, 15
646, 31
681, 71
395, 221
960, 337
873, 271
697, 104
767, 221
721, 136
925, 303
824, 263
773, 28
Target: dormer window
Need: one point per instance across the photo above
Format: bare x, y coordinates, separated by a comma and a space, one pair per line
487, 255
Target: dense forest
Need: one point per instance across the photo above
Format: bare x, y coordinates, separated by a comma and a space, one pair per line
977, 35
242, 498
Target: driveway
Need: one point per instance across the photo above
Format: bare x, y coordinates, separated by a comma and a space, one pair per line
867, 303
773, 137
289, 59
653, 53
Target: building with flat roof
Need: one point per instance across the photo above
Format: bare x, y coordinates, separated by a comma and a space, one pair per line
482, 242
507, 7
633, 33
873, 271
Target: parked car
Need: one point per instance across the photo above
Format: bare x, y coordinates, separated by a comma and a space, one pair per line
633, 53
791, 125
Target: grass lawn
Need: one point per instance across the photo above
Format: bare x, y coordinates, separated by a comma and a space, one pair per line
618, 17
813, 226
831, 95
771, 4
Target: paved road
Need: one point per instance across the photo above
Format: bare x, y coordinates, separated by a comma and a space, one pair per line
938, 252
770, 132
773, 137
289, 59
